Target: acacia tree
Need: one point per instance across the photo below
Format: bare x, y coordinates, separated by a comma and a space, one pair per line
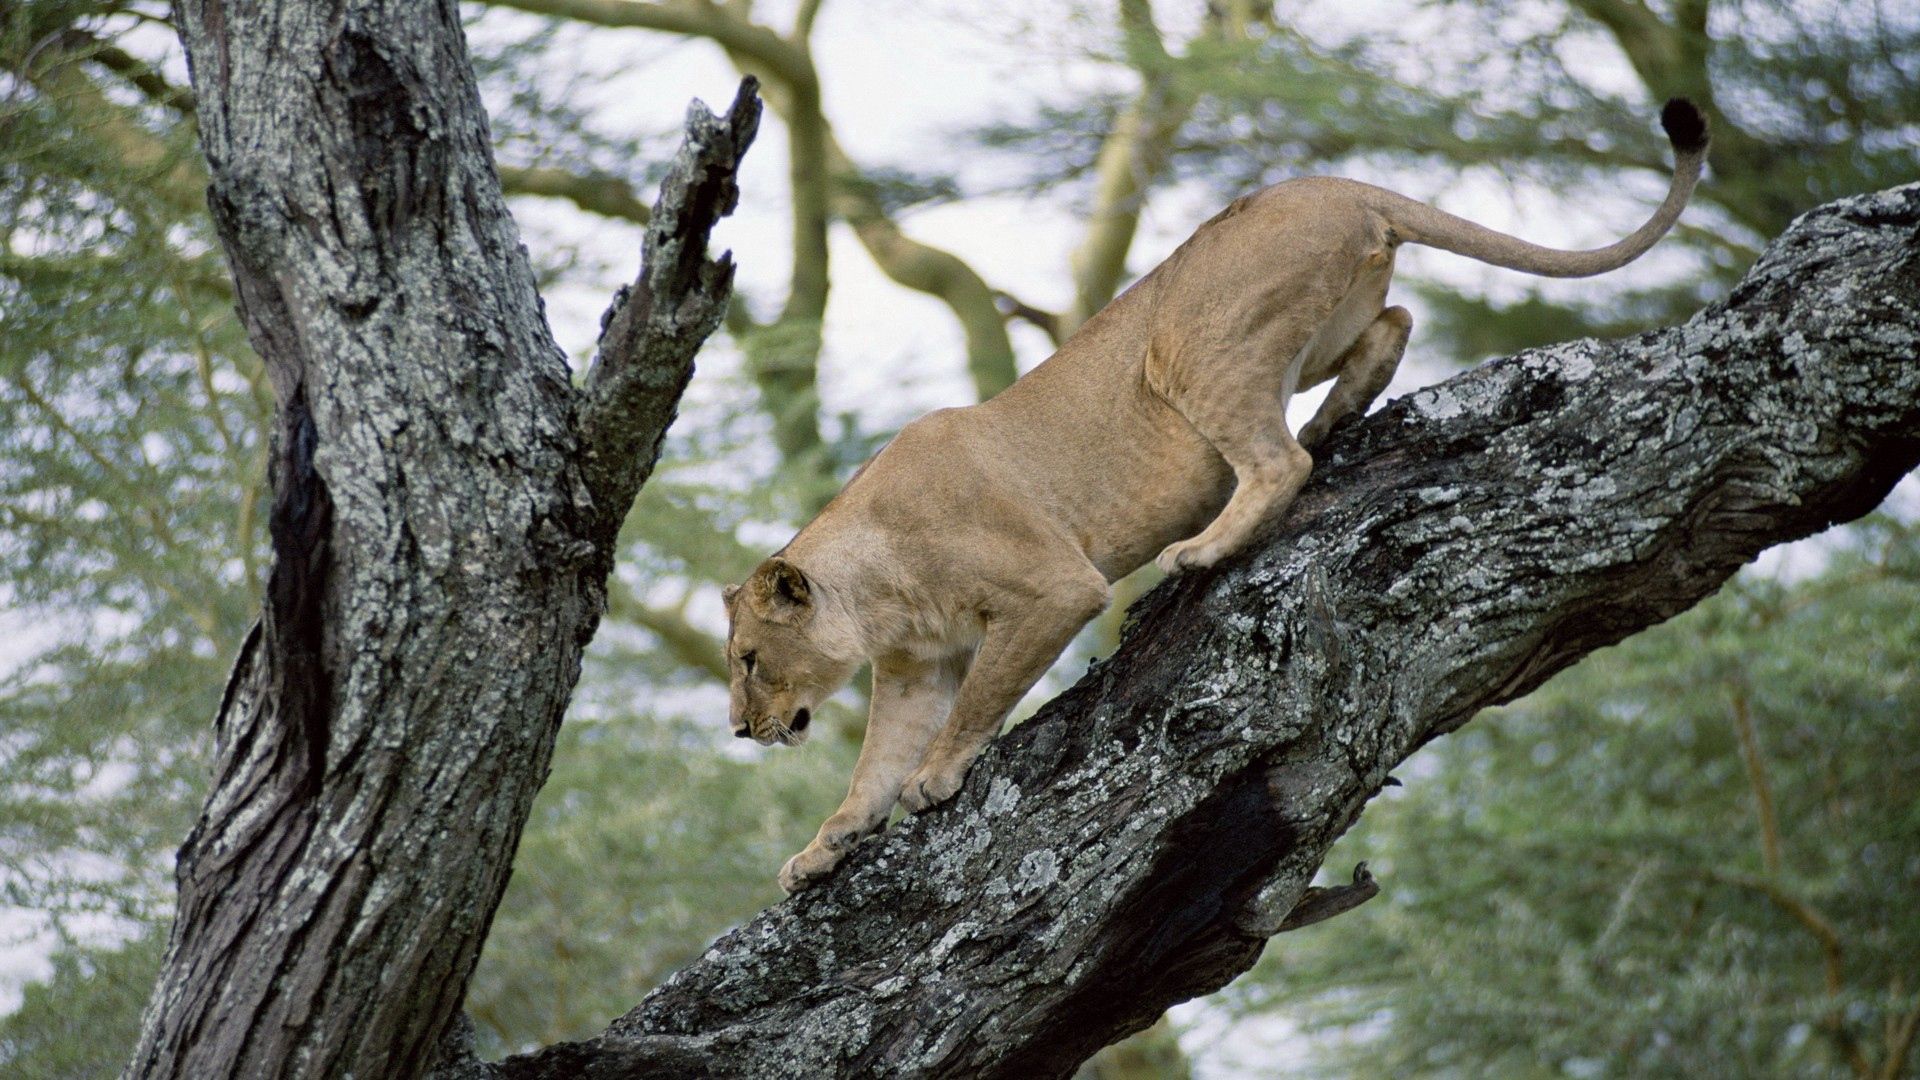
444, 510
443, 523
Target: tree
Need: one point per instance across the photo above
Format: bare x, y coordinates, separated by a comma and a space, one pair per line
1318, 774
442, 531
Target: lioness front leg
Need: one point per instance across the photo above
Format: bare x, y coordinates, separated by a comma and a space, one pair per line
1018, 647
911, 700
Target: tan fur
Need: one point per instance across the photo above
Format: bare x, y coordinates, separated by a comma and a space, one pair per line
968, 553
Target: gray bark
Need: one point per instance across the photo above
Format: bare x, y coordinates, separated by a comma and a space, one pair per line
1136, 843
445, 503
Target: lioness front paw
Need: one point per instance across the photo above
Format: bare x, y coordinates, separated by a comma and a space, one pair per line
1193, 554
931, 786
810, 866
841, 833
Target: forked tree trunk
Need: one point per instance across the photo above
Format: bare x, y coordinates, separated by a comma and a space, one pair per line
445, 507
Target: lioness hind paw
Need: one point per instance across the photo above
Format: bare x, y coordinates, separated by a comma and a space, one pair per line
1187, 555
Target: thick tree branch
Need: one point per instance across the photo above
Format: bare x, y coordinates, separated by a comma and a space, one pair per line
1135, 843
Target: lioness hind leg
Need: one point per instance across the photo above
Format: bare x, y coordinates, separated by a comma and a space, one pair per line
1365, 369
1269, 468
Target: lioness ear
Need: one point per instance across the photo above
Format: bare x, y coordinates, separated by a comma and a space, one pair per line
727, 594
780, 592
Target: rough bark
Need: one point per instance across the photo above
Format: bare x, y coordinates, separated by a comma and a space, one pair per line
444, 508
1136, 843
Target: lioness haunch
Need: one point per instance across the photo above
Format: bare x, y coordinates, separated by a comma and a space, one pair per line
962, 559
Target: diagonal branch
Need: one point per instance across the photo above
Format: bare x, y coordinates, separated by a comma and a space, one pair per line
1136, 843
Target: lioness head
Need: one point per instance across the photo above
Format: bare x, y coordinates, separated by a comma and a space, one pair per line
777, 670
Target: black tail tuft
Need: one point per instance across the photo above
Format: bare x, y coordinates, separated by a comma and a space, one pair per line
1686, 126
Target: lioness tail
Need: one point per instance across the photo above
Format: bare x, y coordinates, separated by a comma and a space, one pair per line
1418, 223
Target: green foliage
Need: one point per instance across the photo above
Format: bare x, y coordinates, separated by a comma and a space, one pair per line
80, 1022
896, 188
645, 845
1694, 854
132, 414
1809, 101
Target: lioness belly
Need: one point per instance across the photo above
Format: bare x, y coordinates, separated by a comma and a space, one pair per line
1122, 474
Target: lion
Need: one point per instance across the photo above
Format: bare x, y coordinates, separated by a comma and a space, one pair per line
962, 559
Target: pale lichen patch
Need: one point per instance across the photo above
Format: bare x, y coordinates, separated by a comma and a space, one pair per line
1038, 869
1003, 795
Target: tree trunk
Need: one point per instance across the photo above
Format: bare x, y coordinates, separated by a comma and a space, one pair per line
445, 505
1136, 843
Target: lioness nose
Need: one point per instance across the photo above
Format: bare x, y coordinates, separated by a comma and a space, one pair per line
742, 733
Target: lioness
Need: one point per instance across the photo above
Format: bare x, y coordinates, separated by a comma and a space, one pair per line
962, 559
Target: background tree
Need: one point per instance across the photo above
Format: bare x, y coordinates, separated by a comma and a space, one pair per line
131, 523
